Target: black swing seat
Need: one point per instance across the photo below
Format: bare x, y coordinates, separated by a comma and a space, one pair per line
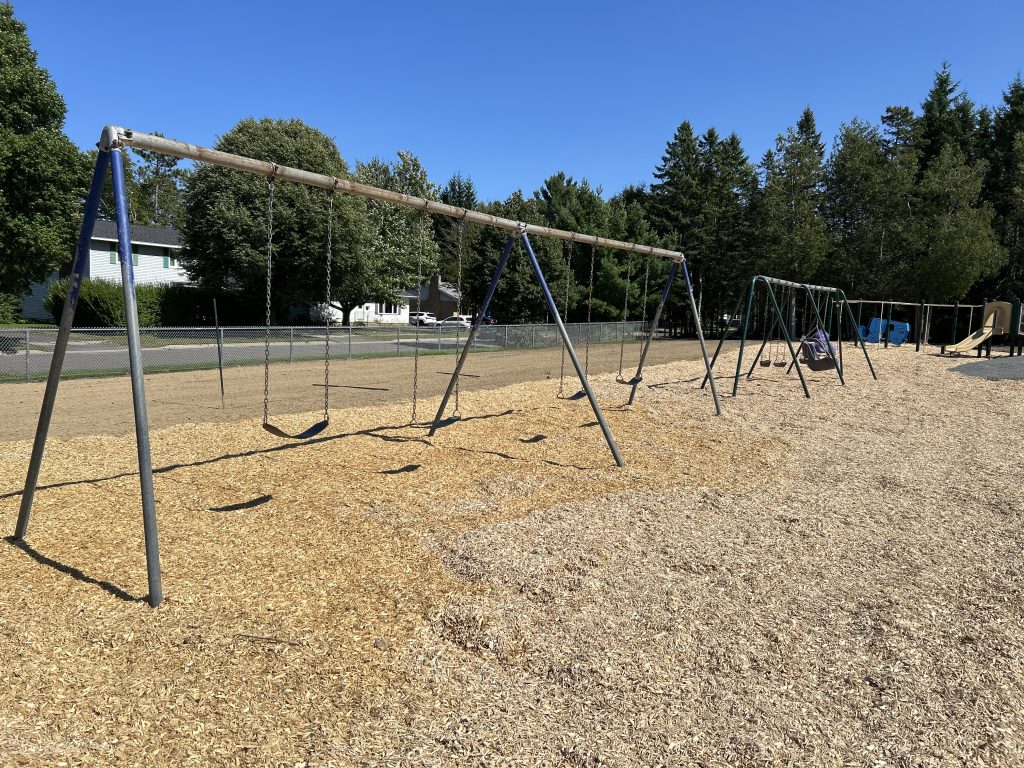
312, 431
816, 351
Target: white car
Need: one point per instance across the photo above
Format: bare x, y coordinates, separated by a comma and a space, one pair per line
422, 318
457, 321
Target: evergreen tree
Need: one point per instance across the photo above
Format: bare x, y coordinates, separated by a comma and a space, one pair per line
792, 228
1004, 184
947, 119
674, 205
43, 176
461, 192
956, 244
160, 197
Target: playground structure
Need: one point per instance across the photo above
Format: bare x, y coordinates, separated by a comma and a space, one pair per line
112, 143
825, 310
999, 318
1007, 323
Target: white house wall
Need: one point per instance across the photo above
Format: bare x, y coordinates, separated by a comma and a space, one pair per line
154, 264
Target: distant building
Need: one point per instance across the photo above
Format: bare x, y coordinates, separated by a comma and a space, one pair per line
440, 298
156, 255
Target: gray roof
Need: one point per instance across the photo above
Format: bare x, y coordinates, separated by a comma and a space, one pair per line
141, 233
448, 292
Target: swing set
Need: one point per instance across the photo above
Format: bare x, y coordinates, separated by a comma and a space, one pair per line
822, 318
112, 144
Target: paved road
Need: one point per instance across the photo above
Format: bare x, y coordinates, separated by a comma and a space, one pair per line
197, 348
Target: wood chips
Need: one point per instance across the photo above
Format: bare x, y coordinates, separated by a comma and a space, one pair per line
833, 581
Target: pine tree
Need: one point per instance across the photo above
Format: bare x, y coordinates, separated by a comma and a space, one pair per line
792, 227
947, 119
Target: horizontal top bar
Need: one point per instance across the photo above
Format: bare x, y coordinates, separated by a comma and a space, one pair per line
912, 304
791, 284
114, 136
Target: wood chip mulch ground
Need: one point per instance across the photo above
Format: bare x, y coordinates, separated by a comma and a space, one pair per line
833, 581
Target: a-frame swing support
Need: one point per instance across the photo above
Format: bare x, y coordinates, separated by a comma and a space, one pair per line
112, 142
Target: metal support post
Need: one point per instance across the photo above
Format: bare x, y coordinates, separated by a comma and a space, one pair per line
350, 342
28, 348
786, 336
956, 317
888, 325
60, 345
480, 315
124, 240
700, 338
860, 309
721, 341
650, 331
920, 326
743, 338
291, 342
553, 308
849, 314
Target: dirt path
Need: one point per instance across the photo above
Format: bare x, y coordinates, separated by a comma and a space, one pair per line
104, 406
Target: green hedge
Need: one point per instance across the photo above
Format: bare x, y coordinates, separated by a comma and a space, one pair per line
101, 305
10, 308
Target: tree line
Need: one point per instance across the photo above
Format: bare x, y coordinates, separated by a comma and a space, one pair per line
924, 204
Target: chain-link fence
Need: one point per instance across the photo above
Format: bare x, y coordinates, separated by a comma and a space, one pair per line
25, 353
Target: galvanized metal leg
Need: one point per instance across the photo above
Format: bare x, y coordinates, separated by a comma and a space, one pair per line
92, 205
721, 341
789, 341
156, 595
553, 308
760, 351
743, 341
650, 332
480, 315
856, 326
700, 338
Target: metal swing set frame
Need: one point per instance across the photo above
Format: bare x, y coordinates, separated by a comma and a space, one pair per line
114, 140
823, 316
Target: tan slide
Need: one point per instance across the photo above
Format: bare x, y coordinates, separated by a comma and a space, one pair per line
997, 321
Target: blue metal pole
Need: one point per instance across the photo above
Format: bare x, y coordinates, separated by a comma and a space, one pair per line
92, 205
477, 320
553, 308
124, 243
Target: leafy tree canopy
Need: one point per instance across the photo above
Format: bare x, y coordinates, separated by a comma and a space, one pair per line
43, 176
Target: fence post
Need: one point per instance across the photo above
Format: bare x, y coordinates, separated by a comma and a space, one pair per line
291, 340
956, 315
506, 338
438, 327
350, 342
28, 341
920, 326
398, 341
533, 336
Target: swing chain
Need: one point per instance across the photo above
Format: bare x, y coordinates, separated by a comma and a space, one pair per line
457, 413
327, 308
270, 263
565, 313
590, 306
416, 349
625, 314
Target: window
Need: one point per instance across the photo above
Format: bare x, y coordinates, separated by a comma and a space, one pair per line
169, 260
112, 248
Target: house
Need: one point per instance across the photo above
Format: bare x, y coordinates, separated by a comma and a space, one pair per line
440, 298
155, 259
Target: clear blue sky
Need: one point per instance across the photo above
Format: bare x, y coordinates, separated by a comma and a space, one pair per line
509, 93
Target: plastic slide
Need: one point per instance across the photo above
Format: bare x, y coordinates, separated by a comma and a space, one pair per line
978, 337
